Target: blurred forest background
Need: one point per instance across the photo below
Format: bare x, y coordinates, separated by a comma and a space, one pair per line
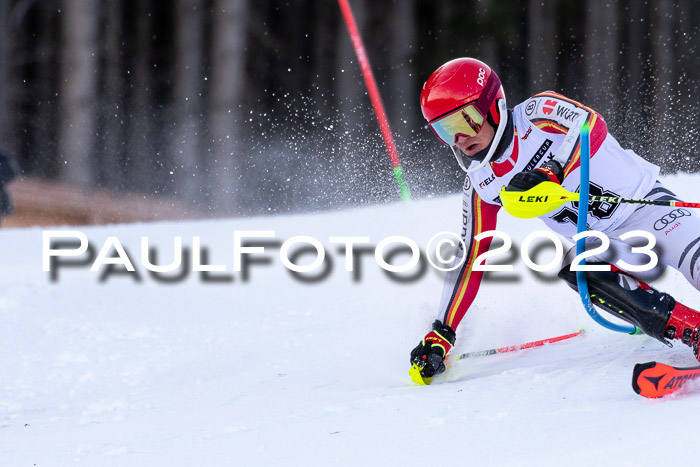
247, 107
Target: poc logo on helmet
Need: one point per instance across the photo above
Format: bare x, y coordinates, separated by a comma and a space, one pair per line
482, 75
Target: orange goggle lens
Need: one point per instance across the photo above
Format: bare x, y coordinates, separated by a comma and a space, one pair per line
466, 121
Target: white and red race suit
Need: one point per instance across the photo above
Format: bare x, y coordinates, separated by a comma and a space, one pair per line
547, 126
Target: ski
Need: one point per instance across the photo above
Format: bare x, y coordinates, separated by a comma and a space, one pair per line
656, 380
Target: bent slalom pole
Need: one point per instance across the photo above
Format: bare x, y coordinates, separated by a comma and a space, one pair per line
582, 226
513, 348
375, 97
548, 196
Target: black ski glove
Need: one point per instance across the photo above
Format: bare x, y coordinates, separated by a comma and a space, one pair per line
550, 171
430, 354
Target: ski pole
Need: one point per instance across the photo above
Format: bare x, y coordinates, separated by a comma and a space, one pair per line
548, 196
528, 345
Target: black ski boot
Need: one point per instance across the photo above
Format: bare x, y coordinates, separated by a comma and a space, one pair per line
628, 298
656, 313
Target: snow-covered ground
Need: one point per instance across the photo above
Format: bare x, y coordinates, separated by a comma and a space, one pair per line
272, 371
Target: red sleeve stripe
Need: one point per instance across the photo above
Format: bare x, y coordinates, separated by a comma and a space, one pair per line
566, 99
596, 124
575, 160
465, 292
550, 126
598, 132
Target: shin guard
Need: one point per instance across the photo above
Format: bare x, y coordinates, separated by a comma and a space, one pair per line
628, 298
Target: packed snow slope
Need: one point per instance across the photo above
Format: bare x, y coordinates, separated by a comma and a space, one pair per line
107, 368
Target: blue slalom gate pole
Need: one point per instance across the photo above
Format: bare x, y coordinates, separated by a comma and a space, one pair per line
582, 226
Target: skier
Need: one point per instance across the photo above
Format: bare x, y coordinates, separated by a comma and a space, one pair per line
537, 141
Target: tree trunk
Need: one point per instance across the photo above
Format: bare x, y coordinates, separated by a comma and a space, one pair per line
112, 116
402, 101
139, 81
688, 92
601, 53
78, 91
227, 87
354, 107
44, 119
187, 108
542, 50
662, 59
5, 30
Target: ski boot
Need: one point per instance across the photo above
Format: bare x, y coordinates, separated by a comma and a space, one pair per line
684, 324
628, 298
655, 313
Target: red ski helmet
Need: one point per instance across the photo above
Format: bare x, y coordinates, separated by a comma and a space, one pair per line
471, 87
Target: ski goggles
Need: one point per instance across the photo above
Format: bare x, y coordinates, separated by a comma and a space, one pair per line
463, 121
468, 119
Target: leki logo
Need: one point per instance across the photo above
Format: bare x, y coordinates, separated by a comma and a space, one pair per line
482, 75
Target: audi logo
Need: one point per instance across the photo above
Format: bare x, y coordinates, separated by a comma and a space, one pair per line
669, 218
